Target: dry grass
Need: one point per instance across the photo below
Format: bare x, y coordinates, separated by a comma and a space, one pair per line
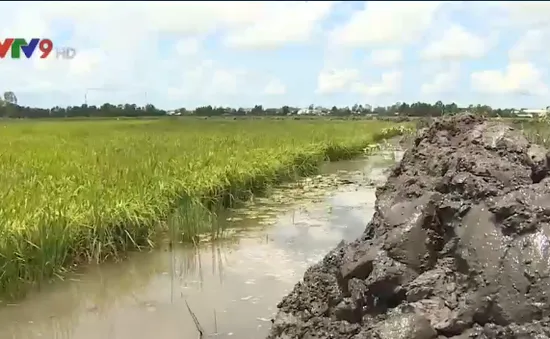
536, 130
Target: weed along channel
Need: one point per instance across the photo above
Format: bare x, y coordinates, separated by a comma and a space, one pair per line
231, 285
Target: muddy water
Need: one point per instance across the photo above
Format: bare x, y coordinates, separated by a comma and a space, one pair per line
231, 286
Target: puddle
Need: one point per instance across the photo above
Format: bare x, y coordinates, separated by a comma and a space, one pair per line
231, 286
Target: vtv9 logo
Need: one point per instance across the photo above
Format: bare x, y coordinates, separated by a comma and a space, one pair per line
42, 47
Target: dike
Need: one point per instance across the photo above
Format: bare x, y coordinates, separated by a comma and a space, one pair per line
458, 247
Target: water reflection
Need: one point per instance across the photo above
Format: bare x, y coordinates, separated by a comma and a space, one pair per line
231, 286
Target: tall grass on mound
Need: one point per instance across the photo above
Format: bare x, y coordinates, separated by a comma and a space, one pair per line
536, 130
86, 191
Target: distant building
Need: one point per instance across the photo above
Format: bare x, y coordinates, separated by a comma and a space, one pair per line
532, 112
313, 111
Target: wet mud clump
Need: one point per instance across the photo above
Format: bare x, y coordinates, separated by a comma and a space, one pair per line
458, 247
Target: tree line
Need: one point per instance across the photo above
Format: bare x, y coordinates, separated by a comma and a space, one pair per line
9, 108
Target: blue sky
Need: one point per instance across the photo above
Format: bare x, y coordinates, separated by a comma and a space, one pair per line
185, 54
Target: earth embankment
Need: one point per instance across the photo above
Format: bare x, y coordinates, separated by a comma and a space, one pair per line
458, 247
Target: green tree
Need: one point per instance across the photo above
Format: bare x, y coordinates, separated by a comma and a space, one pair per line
285, 110
10, 98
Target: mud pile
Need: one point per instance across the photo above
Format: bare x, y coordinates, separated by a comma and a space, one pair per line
458, 247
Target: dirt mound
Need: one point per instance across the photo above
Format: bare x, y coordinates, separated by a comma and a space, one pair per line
458, 247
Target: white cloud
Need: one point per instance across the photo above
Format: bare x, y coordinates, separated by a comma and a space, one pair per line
387, 22
226, 81
118, 43
456, 43
386, 57
275, 87
520, 78
442, 82
332, 81
531, 43
191, 17
280, 24
525, 13
390, 83
188, 46
347, 80
190, 53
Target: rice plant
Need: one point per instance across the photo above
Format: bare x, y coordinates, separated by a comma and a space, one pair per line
86, 191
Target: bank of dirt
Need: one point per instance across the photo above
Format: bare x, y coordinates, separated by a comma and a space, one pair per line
458, 247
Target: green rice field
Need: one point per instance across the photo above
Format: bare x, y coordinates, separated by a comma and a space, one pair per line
86, 191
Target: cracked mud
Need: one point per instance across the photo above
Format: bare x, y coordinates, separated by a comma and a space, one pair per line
458, 247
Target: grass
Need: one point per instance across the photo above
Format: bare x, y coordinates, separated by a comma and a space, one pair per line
536, 130
75, 191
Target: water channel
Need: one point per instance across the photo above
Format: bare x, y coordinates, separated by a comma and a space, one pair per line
232, 286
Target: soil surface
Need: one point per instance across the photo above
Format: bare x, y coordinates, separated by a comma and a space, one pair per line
458, 247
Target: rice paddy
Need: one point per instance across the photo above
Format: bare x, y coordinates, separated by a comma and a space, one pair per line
87, 191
